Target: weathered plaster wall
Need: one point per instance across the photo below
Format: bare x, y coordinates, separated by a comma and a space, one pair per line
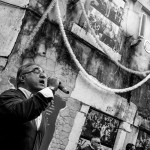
48, 50
130, 12
77, 127
64, 124
10, 27
22, 3
104, 101
132, 56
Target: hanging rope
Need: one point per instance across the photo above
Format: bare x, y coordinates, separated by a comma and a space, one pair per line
82, 72
30, 38
144, 73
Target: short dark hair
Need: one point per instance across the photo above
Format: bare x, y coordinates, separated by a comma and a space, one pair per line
129, 146
21, 71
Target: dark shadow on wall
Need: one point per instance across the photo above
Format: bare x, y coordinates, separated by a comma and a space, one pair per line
52, 114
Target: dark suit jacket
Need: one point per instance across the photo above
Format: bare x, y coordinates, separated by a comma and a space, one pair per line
18, 130
87, 148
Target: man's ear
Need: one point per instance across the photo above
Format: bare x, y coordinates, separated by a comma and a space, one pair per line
22, 78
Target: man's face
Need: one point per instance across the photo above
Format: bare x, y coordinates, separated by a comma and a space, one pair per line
35, 78
96, 144
133, 148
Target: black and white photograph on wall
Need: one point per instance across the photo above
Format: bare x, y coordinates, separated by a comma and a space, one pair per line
101, 126
143, 141
111, 9
105, 18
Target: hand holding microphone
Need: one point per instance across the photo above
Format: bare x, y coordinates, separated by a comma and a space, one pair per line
55, 84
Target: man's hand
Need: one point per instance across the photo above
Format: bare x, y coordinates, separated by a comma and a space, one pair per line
53, 83
99, 148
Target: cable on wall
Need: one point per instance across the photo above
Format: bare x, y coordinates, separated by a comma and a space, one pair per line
90, 79
144, 73
82, 72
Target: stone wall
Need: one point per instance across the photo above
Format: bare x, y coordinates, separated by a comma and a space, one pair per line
48, 49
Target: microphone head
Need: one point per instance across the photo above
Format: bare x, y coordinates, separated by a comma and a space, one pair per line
62, 88
54, 82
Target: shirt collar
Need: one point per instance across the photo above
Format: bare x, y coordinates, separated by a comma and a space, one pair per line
91, 147
25, 92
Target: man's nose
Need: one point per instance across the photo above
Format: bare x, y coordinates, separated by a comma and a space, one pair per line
43, 75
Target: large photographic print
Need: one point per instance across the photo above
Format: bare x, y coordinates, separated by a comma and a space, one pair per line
143, 141
111, 9
99, 125
105, 17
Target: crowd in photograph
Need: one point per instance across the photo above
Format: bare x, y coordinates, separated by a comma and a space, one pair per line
143, 141
105, 30
103, 129
101, 126
109, 9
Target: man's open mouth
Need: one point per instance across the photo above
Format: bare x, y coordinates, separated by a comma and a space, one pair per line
42, 82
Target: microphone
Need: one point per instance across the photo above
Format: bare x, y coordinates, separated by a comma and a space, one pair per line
55, 82
62, 88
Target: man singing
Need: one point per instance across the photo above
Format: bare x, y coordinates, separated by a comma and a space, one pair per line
22, 117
